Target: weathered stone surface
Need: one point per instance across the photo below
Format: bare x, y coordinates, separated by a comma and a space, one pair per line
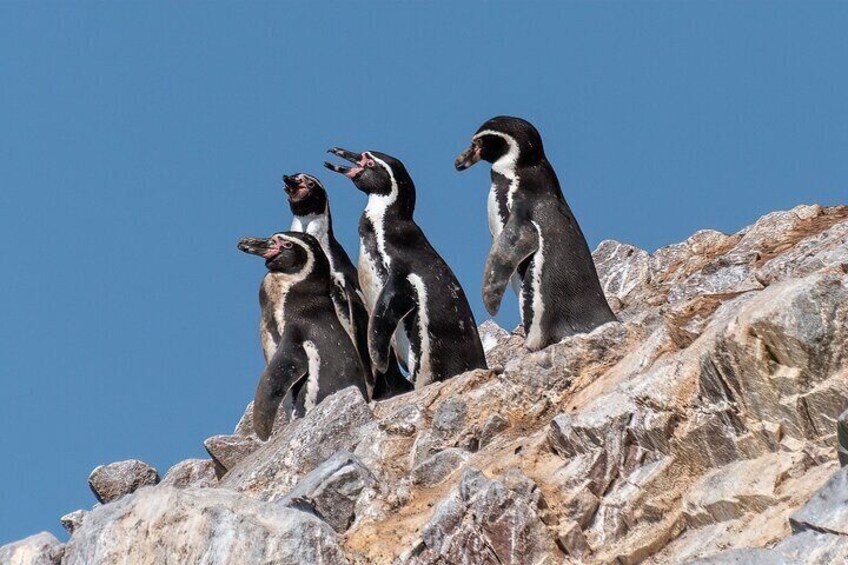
438, 467
492, 335
827, 511
214, 526
245, 424
191, 473
40, 549
484, 521
691, 430
112, 481
807, 548
72, 520
228, 450
273, 469
332, 489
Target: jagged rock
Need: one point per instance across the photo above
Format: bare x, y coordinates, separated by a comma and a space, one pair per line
191, 525
228, 451
827, 511
494, 425
112, 481
483, 521
191, 473
492, 335
72, 520
40, 549
807, 548
623, 271
245, 424
272, 470
737, 489
332, 489
439, 466
691, 430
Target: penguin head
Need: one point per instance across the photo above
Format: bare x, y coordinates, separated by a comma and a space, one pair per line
306, 194
377, 173
503, 137
298, 255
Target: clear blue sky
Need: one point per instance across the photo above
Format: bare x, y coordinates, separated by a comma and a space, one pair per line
138, 142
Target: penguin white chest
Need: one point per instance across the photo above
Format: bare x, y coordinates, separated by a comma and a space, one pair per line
276, 288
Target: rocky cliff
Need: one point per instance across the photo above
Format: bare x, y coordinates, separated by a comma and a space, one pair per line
702, 428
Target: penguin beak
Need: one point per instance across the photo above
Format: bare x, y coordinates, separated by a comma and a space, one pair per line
258, 246
295, 189
467, 158
349, 172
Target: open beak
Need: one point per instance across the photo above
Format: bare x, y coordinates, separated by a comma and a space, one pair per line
349, 172
467, 158
294, 188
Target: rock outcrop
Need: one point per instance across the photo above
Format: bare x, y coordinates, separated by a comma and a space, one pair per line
111, 482
701, 428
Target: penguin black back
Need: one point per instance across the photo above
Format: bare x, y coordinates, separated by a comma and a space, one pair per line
537, 241
310, 207
417, 303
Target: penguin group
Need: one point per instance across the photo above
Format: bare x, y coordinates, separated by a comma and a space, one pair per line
399, 319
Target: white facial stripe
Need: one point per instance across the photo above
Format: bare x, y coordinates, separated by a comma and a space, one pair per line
375, 211
310, 258
534, 335
507, 163
424, 371
314, 370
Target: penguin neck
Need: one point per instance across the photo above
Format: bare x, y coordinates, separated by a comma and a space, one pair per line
319, 226
394, 206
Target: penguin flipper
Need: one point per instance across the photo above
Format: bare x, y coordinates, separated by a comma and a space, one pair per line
518, 240
288, 365
392, 306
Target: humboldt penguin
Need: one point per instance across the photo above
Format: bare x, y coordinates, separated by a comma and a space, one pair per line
417, 306
315, 356
537, 241
310, 207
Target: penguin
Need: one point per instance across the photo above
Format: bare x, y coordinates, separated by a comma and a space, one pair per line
315, 356
537, 243
417, 306
310, 207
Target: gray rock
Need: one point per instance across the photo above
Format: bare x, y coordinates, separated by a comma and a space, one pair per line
483, 521
492, 335
245, 424
191, 525
339, 422
191, 473
40, 549
72, 520
492, 427
449, 417
332, 489
827, 511
112, 481
439, 466
228, 450
623, 271
806, 548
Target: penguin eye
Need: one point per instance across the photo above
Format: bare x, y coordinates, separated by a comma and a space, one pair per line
310, 184
287, 244
478, 142
369, 163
